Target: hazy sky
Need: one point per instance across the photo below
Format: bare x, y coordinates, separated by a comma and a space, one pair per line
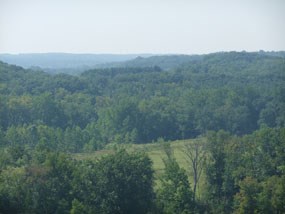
141, 26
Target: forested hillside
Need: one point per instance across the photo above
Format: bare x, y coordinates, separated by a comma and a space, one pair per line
236, 92
235, 100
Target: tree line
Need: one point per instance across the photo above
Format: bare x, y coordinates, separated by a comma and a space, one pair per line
236, 92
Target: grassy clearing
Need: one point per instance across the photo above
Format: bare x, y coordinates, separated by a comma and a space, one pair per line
156, 154
154, 151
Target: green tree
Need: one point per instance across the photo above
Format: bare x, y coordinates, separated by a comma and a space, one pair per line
12, 190
272, 197
175, 194
49, 185
247, 199
216, 173
196, 158
47, 111
125, 182
117, 183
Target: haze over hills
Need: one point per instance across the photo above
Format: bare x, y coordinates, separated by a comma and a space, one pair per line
165, 62
75, 64
65, 62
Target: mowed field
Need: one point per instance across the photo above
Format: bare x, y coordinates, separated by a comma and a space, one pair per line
156, 153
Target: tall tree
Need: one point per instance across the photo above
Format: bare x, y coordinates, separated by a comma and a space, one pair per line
175, 194
195, 153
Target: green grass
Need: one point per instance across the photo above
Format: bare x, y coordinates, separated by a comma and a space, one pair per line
156, 154
153, 150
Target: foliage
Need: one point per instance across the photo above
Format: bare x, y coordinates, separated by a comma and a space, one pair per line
238, 92
235, 99
118, 183
175, 194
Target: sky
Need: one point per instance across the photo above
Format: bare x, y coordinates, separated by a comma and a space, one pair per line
141, 26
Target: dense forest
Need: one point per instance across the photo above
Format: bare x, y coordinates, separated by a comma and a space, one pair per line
233, 100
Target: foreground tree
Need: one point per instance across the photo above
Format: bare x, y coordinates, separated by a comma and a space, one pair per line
246, 199
117, 183
219, 197
175, 194
196, 157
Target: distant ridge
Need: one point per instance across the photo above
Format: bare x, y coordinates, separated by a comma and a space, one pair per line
65, 62
165, 62
75, 64
171, 61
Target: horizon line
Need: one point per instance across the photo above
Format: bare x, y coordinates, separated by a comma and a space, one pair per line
133, 53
